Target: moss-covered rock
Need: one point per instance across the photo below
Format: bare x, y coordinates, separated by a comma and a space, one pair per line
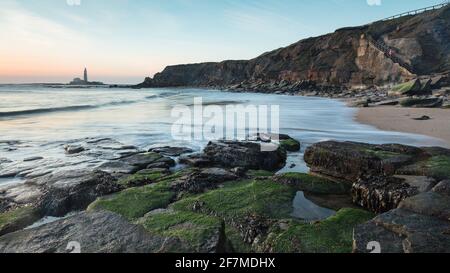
238, 199
313, 184
333, 235
17, 219
134, 203
437, 166
422, 102
260, 173
143, 177
407, 88
201, 233
290, 145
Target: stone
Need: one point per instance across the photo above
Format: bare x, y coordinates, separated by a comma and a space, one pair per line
403, 231
422, 118
196, 160
428, 203
443, 188
172, 151
142, 160
34, 158
380, 194
386, 103
348, 161
199, 181
97, 232
118, 167
18, 218
64, 192
431, 102
364, 234
249, 155
421, 183
70, 150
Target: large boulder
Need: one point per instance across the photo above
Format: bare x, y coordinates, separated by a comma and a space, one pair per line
199, 181
233, 154
64, 192
107, 232
349, 161
380, 194
403, 231
431, 102
429, 203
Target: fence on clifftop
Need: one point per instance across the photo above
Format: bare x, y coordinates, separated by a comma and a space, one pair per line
417, 11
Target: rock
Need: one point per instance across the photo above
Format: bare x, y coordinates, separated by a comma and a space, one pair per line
404, 231
380, 194
164, 162
172, 151
421, 183
410, 88
350, 160
142, 160
442, 188
73, 149
118, 167
197, 233
34, 158
368, 233
361, 103
144, 177
265, 137
19, 195
17, 219
199, 181
249, 155
65, 192
290, 145
428, 203
386, 103
132, 163
312, 184
422, 118
98, 232
438, 81
422, 102
196, 160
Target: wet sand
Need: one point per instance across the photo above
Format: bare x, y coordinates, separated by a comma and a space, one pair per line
403, 120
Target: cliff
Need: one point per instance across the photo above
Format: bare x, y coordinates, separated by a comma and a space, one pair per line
377, 54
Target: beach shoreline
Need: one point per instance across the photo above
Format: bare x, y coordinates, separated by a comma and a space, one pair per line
407, 120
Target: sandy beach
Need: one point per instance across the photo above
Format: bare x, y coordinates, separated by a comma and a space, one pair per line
404, 120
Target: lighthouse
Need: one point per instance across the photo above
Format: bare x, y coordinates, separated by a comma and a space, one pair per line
85, 75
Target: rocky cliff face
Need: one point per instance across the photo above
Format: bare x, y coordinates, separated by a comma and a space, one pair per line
376, 54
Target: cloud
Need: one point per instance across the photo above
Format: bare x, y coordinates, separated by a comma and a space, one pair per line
374, 2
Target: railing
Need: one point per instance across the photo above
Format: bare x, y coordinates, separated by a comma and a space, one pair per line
417, 11
390, 53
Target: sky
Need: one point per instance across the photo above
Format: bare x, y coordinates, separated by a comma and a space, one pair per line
123, 41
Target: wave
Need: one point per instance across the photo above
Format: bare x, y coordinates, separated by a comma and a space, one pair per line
61, 109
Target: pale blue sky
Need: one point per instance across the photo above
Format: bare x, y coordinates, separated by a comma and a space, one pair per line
125, 40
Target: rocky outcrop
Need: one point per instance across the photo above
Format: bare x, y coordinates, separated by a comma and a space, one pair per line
232, 154
66, 192
381, 194
349, 160
99, 232
346, 58
403, 231
199, 181
382, 176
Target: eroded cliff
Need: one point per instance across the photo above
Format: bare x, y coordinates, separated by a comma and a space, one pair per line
376, 54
